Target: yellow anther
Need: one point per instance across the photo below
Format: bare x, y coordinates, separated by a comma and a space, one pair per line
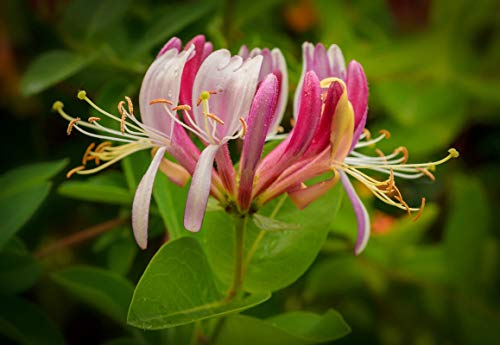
87, 153
292, 122
244, 127
57, 106
71, 124
385, 132
120, 107
82, 94
214, 117
160, 100
280, 129
74, 170
93, 119
182, 107
453, 152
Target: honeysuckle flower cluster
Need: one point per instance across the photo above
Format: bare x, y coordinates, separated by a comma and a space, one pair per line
194, 101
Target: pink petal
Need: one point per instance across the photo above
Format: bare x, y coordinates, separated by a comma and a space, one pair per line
199, 190
142, 199
259, 120
361, 214
173, 43
308, 117
302, 197
357, 87
324, 63
201, 50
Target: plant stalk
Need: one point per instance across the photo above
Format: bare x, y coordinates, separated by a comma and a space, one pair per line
241, 224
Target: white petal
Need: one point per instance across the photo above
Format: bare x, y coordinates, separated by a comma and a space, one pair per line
162, 80
142, 199
199, 190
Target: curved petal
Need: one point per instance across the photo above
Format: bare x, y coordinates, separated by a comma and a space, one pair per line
201, 49
259, 121
199, 190
162, 80
234, 83
142, 199
361, 214
324, 63
357, 87
173, 43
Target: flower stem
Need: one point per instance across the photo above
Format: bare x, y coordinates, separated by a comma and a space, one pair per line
241, 224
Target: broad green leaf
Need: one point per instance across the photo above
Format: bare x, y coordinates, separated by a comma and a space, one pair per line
24, 177
17, 209
107, 187
468, 210
121, 255
25, 324
270, 224
274, 259
122, 341
22, 190
18, 272
104, 290
170, 199
105, 14
50, 68
85, 18
295, 328
168, 21
178, 287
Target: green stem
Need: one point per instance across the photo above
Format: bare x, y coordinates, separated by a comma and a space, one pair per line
241, 224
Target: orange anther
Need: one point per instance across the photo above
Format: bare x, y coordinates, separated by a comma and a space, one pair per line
420, 211
385, 132
71, 124
93, 119
74, 170
160, 100
130, 105
214, 117
87, 152
182, 107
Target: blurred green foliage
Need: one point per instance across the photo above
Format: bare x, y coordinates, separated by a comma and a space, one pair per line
68, 262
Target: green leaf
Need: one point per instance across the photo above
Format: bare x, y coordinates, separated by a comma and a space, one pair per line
85, 18
170, 199
104, 290
24, 323
50, 68
121, 255
18, 272
274, 259
22, 191
178, 287
468, 210
270, 224
108, 188
17, 209
16, 180
169, 20
105, 14
295, 328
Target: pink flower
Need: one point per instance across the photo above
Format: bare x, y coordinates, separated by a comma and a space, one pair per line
223, 98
